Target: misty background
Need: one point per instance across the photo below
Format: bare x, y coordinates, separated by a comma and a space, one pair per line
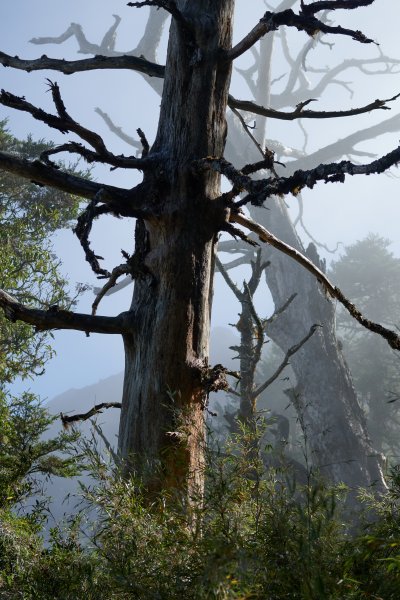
333, 213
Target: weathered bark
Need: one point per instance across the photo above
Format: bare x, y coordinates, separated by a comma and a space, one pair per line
161, 425
248, 364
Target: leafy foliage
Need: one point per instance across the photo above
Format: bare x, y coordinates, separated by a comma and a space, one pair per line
255, 535
370, 275
29, 270
24, 451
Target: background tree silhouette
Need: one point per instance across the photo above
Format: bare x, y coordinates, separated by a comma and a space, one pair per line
366, 267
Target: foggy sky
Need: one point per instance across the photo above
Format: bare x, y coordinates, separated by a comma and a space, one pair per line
332, 212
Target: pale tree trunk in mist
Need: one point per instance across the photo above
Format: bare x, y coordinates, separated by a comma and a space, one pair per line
324, 398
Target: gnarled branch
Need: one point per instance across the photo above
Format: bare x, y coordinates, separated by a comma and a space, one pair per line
116, 273
299, 113
124, 202
53, 318
64, 123
264, 235
68, 67
305, 21
82, 231
95, 410
314, 7
261, 189
346, 145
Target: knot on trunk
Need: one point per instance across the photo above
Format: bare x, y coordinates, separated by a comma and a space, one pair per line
213, 379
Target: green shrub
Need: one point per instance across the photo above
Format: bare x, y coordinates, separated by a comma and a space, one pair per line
255, 535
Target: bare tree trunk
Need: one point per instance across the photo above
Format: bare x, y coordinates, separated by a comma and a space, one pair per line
247, 406
166, 358
324, 398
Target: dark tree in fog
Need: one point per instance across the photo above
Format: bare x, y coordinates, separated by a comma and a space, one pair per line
366, 267
180, 212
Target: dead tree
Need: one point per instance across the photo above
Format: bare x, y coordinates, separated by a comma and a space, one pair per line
180, 211
324, 398
248, 391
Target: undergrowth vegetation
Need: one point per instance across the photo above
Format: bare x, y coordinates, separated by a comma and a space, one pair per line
255, 535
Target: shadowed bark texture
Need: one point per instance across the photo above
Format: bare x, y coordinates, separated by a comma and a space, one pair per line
164, 398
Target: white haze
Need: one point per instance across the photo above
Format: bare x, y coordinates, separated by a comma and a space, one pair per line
333, 213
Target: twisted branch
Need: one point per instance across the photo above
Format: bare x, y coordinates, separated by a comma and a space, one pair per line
116, 273
64, 123
260, 190
299, 113
264, 235
305, 21
53, 318
97, 408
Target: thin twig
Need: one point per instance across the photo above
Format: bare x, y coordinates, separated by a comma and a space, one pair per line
284, 363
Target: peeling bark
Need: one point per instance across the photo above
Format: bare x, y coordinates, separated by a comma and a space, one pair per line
164, 396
